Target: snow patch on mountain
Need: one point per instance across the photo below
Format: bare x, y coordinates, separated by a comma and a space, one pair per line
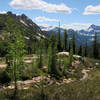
23, 22
90, 29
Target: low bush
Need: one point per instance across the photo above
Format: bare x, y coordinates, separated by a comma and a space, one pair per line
4, 77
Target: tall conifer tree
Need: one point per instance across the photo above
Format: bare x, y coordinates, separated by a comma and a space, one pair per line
71, 52
86, 49
59, 39
52, 67
95, 47
15, 56
80, 51
65, 40
73, 43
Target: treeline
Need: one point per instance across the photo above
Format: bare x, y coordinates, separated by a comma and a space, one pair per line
86, 50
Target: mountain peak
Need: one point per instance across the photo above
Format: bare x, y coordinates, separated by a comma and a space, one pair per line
92, 26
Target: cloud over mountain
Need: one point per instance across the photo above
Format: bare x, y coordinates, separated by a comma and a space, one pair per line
42, 19
76, 26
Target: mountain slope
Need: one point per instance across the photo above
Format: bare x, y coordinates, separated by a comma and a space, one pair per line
12, 23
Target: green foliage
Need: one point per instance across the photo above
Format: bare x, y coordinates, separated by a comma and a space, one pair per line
83, 52
59, 39
4, 77
80, 51
10, 23
73, 44
71, 56
86, 49
65, 41
66, 63
66, 66
30, 71
71, 53
95, 47
52, 68
15, 55
3, 48
40, 60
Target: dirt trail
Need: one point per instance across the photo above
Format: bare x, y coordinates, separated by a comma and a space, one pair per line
26, 84
36, 80
84, 71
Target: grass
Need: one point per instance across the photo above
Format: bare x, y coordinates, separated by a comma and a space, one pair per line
80, 90
88, 89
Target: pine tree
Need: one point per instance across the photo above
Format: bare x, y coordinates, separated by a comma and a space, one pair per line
69, 46
80, 51
65, 40
86, 48
40, 63
59, 40
71, 53
83, 51
15, 56
52, 68
73, 43
95, 47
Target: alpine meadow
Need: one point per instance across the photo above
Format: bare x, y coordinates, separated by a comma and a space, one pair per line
50, 50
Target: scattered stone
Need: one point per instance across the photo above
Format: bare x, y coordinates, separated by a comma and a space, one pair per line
97, 64
57, 83
63, 53
45, 67
3, 65
75, 63
77, 56
28, 61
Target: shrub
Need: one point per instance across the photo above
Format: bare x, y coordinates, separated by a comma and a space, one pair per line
4, 77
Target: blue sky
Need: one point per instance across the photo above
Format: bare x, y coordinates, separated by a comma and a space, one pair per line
75, 14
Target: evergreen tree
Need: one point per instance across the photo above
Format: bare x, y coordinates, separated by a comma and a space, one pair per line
69, 46
59, 39
65, 40
71, 53
15, 55
80, 51
73, 43
83, 51
52, 68
86, 48
95, 47
40, 63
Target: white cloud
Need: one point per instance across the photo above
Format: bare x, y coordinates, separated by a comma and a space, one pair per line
3, 12
76, 26
42, 19
92, 10
44, 25
40, 5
